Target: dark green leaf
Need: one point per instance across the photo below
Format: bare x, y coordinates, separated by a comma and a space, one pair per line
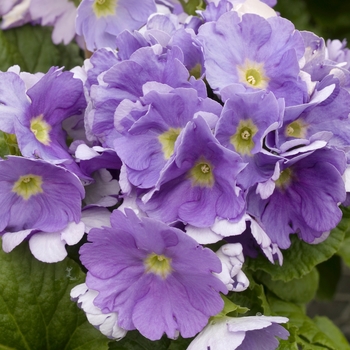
332, 331
330, 273
35, 307
135, 341
253, 298
300, 290
301, 257
307, 334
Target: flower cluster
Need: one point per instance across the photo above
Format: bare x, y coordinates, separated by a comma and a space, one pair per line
230, 126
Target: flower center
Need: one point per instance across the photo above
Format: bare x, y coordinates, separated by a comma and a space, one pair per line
201, 174
252, 74
28, 185
104, 8
297, 129
158, 264
242, 140
41, 129
167, 140
285, 179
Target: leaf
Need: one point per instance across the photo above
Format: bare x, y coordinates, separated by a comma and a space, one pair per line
332, 331
301, 257
344, 250
330, 273
135, 341
253, 298
300, 290
190, 6
307, 334
32, 49
35, 307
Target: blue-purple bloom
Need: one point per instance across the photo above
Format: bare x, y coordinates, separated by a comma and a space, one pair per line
167, 114
100, 21
245, 121
199, 182
305, 200
32, 195
36, 115
254, 53
156, 278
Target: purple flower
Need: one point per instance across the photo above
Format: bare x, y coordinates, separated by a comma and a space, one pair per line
159, 128
241, 333
156, 278
199, 183
125, 81
242, 127
37, 195
100, 21
36, 115
254, 53
305, 198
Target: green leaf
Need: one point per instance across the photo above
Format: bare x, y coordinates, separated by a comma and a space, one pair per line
135, 341
330, 274
306, 332
300, 290
301, 257
190, 6
35, 307
344, 250
32, 49
332, 331
253, 298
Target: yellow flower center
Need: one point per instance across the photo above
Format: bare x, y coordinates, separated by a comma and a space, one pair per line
28, 185
41, 129
284, 180
158, 264
201, 174
253, 74
104, 8
167, 140
297, 129
242, 140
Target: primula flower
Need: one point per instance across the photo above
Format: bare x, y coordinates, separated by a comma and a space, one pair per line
156, 278
305, 197
40, 202
254, 53
100, 21
36, 115
199, 182
32, 195
159, 128
241, 333
242, 127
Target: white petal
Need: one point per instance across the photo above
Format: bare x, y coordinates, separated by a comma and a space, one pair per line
48, 247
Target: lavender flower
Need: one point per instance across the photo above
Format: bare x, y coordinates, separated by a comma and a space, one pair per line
253, 53
199, 183
100, 21
156, 278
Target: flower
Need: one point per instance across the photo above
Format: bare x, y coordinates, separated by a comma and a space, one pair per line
199, 182
156, 278
241, 333
253, 53
100, 21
